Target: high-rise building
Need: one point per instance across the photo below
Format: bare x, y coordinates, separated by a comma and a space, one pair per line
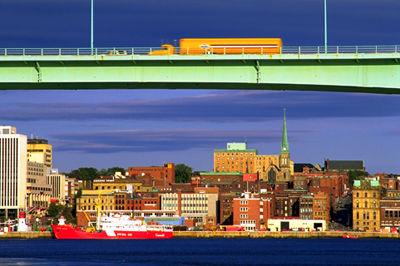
13, 171
40, 151
38, 189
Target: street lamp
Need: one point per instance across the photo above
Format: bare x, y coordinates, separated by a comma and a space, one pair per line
91, 26
326, 28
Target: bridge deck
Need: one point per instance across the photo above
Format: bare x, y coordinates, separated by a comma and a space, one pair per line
375, 70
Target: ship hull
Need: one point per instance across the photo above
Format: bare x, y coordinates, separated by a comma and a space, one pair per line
68, 232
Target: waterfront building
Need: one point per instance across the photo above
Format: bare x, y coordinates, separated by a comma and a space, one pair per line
246, 211
295, 224
390, 212
13, 172
200, 205
366, 205
226, 207
164, 173
321, 207
40, 151
90, 198
57, 182
306, 207
38, 190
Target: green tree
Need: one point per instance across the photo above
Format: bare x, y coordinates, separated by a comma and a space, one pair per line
84, 173
356, 175
113, 170
54, 210
182, 173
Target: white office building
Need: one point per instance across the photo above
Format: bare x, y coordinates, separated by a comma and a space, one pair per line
13, 171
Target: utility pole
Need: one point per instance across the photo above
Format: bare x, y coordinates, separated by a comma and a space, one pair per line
91, 26
326, 27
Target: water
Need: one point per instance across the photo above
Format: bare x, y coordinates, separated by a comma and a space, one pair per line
199, 252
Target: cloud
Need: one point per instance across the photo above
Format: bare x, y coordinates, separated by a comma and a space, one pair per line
219, 106
157, 140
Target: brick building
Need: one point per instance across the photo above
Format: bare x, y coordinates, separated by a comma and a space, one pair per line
165, 173
390, 212
321, 207
246, 212
145, 203
306, 207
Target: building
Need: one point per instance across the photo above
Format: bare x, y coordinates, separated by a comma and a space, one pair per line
71, 188
306, 207
270, 168
13, 172
201, 205
246, 212
366, 205
342, 165
38, 190
57, 182
40, 151
236, 158
90, 198
142, 203
390, 212
321, 207
165, 173
296, 225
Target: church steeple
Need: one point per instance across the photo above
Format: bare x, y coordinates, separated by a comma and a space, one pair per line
285, 143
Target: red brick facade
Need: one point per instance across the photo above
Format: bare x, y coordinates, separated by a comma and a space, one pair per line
165, 173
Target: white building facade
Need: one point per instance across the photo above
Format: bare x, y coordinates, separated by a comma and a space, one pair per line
13, 171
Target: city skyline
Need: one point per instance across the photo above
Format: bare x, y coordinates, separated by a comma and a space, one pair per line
148, 127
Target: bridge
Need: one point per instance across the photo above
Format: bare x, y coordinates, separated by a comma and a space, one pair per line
374, 69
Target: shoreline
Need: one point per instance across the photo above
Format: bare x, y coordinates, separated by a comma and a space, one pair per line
221, 234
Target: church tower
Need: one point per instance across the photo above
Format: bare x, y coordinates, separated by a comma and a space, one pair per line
284, 156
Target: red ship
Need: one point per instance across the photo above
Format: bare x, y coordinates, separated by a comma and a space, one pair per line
114, 227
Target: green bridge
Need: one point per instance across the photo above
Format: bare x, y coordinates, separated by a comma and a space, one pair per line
374, 69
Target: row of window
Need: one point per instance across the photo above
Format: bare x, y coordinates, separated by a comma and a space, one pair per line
365, 194
194, 211
366, 215
366, 204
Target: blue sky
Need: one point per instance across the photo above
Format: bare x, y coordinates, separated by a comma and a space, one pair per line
105, 128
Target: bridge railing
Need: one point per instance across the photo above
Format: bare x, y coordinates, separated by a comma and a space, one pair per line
366, 49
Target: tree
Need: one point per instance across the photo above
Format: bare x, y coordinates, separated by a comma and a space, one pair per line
113, 170
356, 175
84, 173
54, 210
182, 173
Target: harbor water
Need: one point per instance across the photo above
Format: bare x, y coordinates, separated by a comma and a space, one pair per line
199, 251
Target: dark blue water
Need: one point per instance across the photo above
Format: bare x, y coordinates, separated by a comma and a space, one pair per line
199, 252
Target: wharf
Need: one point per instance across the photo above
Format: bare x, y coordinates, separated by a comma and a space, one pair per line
221, 234
289, 234
26, 235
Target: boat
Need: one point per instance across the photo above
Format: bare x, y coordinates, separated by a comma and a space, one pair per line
349, 236
114, 226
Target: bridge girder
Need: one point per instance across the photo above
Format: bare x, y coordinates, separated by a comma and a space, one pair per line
347, 73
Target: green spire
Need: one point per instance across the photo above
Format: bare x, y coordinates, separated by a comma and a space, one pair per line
285, 143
